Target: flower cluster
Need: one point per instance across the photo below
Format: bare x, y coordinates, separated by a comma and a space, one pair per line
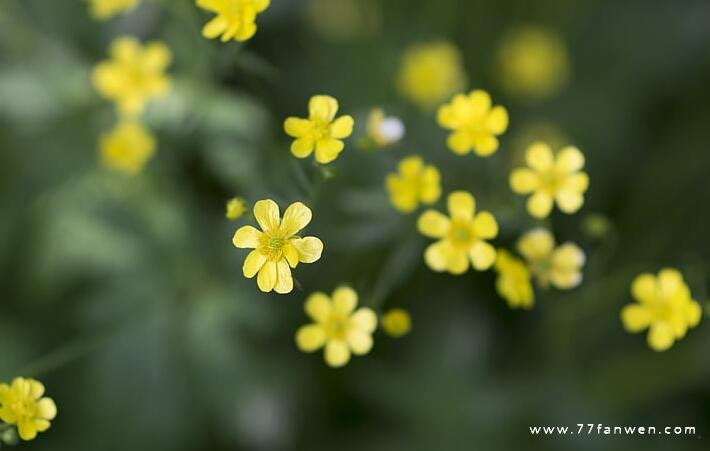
22, 404
414, 182
235, 19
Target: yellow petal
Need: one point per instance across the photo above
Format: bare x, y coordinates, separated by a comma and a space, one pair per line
568, 255
446, 117
125, 49
403, 194
46, 409
523, 181
266, 280
322, 108
480, 102
410, 166
342, 127
344, 300
360, 342
261, 5
245, 32
539, 156
266, 213
483, 255
41, 425
437, 255
310, 337
284, 281
485, 225
670, 281
576, 182
485, 144
328, 150
215, 27
635, 317
565, 278
536, 245
27, 430
337, 353
461, 205
433, 224
364, 319
660, 336
36, 389
157, 56
570, 159
458, 262
253, 263
430, 187
291, 254
246, 237
497, 120
318, 307
693, 313
297, 127
296, 217
460, 142
569, 201
302, 147
643, 288
540, 204
309, 248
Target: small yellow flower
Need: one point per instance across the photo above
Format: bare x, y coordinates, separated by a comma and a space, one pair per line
134, 74
321, 130
106, 9
474, 123
559, 266
22, 404
236, 207
277, 248
664, 305
415, 182
532, 62
461, 237
429, 73
337, 326
236, 19
384, 130
396, 322
551, 179
127, 148
513, 282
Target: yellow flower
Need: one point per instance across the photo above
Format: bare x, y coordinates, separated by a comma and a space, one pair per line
513, 282
532, 62
663, 305
277, 246
127, 148
384, 130
236, 19
320, 131
105, 9
429, 73
396, 322
475, 124
236, 207
559, 266
134, 74
415, 182
461, 237
337, 326
22, 404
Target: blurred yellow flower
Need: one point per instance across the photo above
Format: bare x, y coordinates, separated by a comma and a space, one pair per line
277, 248
134, 74
413, 183
22, 404
559, 266
127, 148
429, 73
475, 124
236, 19
321, 131
384, 130
461, 237
337, 326
236, 207
664, 306
551, 179
106, 9
532, 62
396, 322
513, 282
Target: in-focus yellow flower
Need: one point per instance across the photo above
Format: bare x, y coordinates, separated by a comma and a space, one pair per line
236, 19
415, 182
664, 306
134, 74
337, 326
22, 404
236, 207
532, 62
559, 266
551, 179
474, 123
513, 282
384, 130
429, 73
461, 237
396, 322
321, 131
106, 9
277, 248
127, 148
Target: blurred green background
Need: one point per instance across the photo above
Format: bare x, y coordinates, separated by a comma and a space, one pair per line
125, 296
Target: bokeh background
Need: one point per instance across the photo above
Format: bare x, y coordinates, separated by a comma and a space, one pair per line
125, 296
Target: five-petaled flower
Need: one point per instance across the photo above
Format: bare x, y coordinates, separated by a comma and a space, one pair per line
337, 326
277, 248
474, 123
321, 131
551, 179
396, 322
461, 237
127, 148
22, 404
134, 74
236, 207
106, 9
513, 281
559, 266
413, 183
236, 19
664, 305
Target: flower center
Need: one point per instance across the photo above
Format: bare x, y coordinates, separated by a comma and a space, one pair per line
461, 234
336, 326
320, 129
272, 246
24, 409
550, 180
